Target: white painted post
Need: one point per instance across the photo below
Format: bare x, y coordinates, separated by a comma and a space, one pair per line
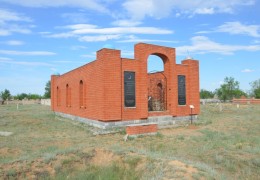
220, 107
191, 107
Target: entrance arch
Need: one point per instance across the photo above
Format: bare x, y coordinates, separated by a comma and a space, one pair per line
167, 56
154, 64
157, 84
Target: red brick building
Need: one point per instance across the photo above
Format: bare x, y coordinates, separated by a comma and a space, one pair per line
115, 90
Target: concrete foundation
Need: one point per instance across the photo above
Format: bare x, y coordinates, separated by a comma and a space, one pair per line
162, 121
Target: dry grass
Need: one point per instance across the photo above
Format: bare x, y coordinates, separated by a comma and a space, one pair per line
224, 145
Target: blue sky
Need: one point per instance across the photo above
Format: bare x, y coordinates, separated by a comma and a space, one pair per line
44, 37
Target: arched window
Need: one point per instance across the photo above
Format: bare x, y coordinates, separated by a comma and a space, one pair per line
81, 94
154, 64
68, 96
58, 96
159, 85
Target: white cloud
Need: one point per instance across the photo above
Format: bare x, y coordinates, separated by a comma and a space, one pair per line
247, 70
75, 17
204, 11
256, 41
133, 38
14, 43
9, 20
146, 40
86, 4
127, 53
138, 9
98, 38
60, 35
238, 28
122, 30
102, 34
15, 28
163, 8
79, 26
4, 32
204, 32
203, 45
27, 63
5, 59
6, 15
27, 53
126, 22
63, 61
88, 56
53, 69
75, 48
44, 33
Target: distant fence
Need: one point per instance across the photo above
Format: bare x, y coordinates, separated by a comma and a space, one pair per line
46, 102
246, 101
25, 101
205, 101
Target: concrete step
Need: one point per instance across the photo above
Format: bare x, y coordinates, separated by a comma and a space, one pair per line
160, 118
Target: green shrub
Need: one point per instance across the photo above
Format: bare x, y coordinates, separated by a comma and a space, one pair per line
11, 172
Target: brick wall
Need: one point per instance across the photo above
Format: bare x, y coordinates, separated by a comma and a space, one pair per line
141, 129
246, 101
157, 91
101, 85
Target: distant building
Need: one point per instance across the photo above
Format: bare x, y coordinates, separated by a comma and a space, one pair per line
114, 90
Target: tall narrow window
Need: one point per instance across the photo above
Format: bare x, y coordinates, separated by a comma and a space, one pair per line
85, 95
129, 88
181, 90
58, 96
67, 95
81, 94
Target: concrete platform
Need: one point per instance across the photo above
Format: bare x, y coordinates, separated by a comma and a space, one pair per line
162, 121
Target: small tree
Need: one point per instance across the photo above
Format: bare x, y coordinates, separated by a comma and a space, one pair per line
204, 94
255, 88
47, 93
34, 96
229, 89
257, 93
5, 95
21, 96
239, 93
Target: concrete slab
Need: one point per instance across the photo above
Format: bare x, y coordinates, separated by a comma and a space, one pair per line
4, 133
162, 121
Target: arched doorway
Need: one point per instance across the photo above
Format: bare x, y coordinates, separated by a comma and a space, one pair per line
157, 84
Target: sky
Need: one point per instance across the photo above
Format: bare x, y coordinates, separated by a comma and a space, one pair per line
39, 38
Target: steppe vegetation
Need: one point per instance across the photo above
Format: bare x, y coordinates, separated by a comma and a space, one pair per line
222, 145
